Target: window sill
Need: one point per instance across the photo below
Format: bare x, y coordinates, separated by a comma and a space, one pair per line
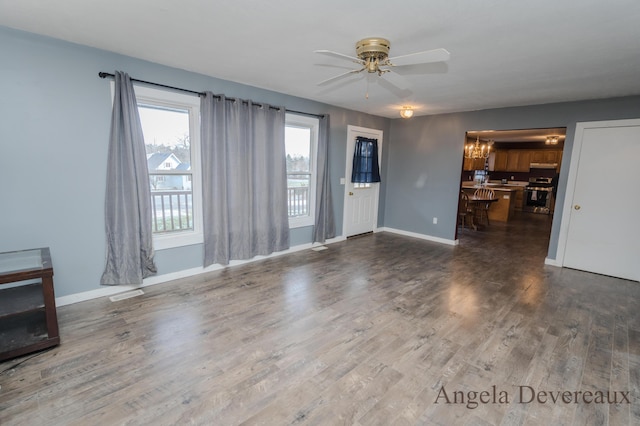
301, 222
167, 241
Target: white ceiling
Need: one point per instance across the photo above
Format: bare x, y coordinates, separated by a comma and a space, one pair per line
503, 52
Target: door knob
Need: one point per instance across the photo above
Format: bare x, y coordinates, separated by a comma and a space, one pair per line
350, 193
577, 207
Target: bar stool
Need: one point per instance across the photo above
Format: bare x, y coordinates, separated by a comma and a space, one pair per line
482, 209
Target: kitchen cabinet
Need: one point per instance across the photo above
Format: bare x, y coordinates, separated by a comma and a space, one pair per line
500, 161
503, 209
473, 164
524, 161
519, 197
518, 160
467, 164
512, 160
545, 156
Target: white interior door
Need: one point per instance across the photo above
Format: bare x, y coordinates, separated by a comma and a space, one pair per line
603, 205
360, 200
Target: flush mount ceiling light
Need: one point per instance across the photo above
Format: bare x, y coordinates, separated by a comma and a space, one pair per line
406, 112
551, 140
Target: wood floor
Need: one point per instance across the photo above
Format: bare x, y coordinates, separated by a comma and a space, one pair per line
377, 330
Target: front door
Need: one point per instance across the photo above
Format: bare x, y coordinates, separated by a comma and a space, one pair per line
361, 199
603, 206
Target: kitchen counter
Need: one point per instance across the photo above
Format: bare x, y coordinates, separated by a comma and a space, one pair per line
503, 209
496, 185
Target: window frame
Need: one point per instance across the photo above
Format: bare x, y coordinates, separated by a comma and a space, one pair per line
313, 124
174, 100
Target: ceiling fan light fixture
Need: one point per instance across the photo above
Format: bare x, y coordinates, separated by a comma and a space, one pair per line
373, 47
406, 112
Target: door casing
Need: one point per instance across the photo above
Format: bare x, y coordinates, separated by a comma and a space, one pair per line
349, 227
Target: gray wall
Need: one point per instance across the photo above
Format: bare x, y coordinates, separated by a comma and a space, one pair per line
425, 158
54, 127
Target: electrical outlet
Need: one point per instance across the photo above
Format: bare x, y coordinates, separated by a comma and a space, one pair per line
435, 220
512, 178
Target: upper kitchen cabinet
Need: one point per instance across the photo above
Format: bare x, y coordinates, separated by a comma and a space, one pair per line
473, 164
518, 160
545, 156
524, 161
500, 161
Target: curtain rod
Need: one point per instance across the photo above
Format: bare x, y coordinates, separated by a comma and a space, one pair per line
102, 74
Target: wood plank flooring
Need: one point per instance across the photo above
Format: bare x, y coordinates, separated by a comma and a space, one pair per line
371, 331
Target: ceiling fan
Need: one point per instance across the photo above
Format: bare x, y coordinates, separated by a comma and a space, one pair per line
373, 54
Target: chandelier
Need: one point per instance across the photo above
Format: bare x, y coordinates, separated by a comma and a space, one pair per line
476, 151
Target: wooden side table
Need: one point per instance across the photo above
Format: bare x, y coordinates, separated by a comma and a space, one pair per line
28, 319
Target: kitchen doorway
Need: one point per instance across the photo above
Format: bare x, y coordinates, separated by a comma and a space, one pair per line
521, 167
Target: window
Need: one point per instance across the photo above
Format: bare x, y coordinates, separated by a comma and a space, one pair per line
361, 185
301, 141
170, 124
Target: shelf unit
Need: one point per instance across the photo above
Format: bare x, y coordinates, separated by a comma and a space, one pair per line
28, 318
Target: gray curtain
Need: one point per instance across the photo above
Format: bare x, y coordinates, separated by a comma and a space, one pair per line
129, 255
325, 225
244, 179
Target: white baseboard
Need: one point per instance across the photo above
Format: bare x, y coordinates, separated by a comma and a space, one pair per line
552, 262
93, 294
158, 279
421, 236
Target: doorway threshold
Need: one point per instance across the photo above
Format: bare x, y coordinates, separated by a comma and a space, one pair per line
359, 235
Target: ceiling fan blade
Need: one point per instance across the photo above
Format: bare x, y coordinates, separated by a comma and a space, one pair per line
341, 84
336, 66
419, 69
337, 77
392, 83
435, 55
340, 56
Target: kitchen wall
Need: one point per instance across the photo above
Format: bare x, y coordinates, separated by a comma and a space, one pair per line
54, 127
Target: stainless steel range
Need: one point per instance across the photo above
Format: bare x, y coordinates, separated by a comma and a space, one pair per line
538, 195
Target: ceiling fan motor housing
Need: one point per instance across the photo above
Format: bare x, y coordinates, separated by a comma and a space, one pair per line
373, 51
